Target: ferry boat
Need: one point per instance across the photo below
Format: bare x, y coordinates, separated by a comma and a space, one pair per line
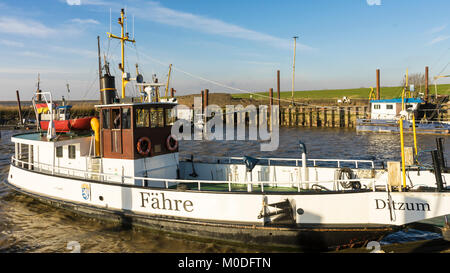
128, 169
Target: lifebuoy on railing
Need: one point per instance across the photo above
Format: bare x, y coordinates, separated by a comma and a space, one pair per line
144, 145
171, 143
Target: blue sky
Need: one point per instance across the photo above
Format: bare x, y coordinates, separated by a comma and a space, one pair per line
219, 44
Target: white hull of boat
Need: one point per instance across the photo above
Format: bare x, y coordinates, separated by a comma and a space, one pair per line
365, 208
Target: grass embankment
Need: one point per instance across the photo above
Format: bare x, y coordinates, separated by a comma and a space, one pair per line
9, 113
356, 93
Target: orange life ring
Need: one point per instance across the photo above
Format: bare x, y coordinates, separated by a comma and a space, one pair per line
141, 144
171, 147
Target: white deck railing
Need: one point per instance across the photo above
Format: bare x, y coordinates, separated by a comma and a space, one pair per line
140, 181
297, 161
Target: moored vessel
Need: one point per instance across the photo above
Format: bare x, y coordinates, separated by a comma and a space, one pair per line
127, 168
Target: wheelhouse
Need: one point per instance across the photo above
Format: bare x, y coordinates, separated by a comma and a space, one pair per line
125, 126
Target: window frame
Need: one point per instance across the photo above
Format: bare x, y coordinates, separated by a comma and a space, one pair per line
145, 114
60, 148
74, 155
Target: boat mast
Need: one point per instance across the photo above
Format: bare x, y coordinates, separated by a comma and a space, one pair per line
123, 39
168, 80
99, 65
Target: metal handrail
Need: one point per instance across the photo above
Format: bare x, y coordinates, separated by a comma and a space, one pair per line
338, 161
122, 178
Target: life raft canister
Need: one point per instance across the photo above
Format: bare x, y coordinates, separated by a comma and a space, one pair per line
144, 145
171, 143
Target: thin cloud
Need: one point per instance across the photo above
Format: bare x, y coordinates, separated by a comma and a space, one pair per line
74, 51
438, 29
24, 27
84, 21
373, 2
73, 2
88, 2
32, 54
262, 63
11, 43
439, 39
163, 15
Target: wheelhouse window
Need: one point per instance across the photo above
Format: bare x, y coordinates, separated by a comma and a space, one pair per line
389, 106
156, 117
115, 118
142, 118
106, 119
59, 151
376, 106
170, 116
126, 118
72, 150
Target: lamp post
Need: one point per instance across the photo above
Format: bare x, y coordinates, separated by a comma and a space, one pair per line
293, 69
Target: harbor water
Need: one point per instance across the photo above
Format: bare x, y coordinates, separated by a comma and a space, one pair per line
29, 226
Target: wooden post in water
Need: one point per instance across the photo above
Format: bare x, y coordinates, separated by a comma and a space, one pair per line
289, 117
278, 88
38, 90
303, 116
426, 84
20, 108
349, 117
317, 117
333, 118
270, 101
206, 98
270, 107
203, 101
378, 84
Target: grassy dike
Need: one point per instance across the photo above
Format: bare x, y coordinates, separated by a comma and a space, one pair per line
9, 114
356, 93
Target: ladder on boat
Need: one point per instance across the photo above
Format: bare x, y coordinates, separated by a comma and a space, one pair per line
94, 166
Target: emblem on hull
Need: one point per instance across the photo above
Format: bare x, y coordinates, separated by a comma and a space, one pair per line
86, 191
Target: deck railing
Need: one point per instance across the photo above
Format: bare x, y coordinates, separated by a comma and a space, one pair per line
298, 162
336, 185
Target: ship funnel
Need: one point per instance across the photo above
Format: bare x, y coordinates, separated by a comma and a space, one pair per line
107, 89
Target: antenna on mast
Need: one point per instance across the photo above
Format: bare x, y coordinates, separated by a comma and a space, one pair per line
123, 38
110, 27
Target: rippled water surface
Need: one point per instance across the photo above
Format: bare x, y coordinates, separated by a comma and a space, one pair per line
29, 226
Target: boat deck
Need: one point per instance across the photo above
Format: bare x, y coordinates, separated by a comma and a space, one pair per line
42, 136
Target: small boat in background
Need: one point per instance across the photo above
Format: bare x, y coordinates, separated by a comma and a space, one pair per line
80, 123
385, 116
61, 118
65, 126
